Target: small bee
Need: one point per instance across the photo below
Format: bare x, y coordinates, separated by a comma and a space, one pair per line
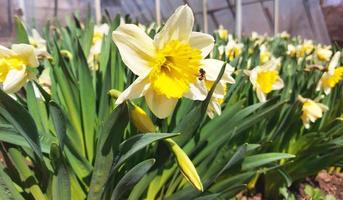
202, 74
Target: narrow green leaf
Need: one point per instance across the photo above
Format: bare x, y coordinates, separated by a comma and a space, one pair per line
21, 120
131, 178
138, 142
20, 31
262, 159
59, 121
7, 187
110, 136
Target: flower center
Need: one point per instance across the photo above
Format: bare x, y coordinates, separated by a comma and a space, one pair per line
266, 79
331, 81
6, 64
175, 67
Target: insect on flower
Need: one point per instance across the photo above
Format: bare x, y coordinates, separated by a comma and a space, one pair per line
167, 66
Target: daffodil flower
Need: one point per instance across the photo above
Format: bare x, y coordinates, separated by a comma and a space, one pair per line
222, 32
232, 49
333, 75
14, 63
98, 34
323, 53
214, 107
266, 78
168, 66
284, 35
39, 44
311, 111
305, 49
291, 50
265, 55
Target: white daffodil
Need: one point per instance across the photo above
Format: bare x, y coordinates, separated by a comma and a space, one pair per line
333, 75
168, 67
39, 44
13, 66
265, 55
291, 50
98, 34
311, 111
222, 32
232, 49
214, 107
284, 35
266, 78
323, 53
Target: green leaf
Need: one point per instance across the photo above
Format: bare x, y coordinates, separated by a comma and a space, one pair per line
131, 178
21, 120
262, 159
138, 142
20, 31
61, 186
7, 187
87, 97
59, 121
110, 136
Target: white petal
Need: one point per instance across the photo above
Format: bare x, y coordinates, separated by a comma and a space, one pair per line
103, 28
135, 46
278, 84
197, 91
160, 105
137, 89
202, 41
5, 52
334, 62
15, 80
217, 108
260, 95
178, 27
27, 52
220, 90
212, 68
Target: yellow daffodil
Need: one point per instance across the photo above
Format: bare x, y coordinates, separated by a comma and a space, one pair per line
222, 32
232, 49
214, 107
257, 38
284, 35
333, 75
291, 50
98, 34
311, 111
14, 63
323, 54
39, 44
266, 78
305, 48
168, 67
265, 55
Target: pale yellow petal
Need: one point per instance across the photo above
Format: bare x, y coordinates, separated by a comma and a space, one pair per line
178, 27
136, 48
137, 89
27, 53
202, 41
161, 106
15, 80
